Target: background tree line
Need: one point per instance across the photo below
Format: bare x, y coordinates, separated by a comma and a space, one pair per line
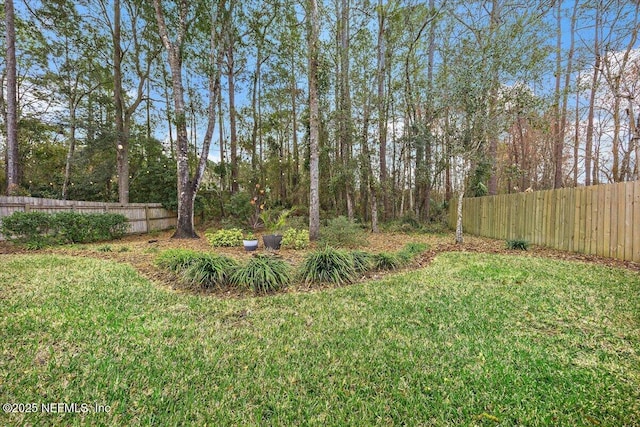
116, 99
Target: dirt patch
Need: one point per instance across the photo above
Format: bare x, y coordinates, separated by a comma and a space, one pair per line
140, 251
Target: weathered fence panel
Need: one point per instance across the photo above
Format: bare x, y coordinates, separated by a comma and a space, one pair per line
143, 217
600, 220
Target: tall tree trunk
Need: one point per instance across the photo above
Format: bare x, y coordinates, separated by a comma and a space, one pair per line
557, 125
588, 152
635, 142
616, 75
73, 107
254, 110
169, 116
493, 101
314, 122
223, 166
71, 150
576, 137
382, 113
459, 236
368, 167
187, 184
345, 105
294, 117
634, 139
12, 157
430, 113
233, 135
567, 81
122, 140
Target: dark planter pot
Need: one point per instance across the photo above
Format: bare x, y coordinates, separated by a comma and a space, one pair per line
250, 245
272, 241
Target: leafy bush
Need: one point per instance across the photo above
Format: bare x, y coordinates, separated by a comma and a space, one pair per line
176, 260
362, 261
107, 226
26, 226
301, 222
387, 261
407, 223
263, 274
239, 207
342, 233
518, 244
328, 265
225, 238
411, 250
209, 270
295, 239
36, 229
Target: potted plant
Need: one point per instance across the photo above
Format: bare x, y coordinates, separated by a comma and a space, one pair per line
274, 223
250, 242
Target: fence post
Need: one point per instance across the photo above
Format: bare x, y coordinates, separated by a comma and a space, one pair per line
146, 215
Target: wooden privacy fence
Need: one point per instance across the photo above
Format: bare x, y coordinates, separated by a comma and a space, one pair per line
599, 220
143, 217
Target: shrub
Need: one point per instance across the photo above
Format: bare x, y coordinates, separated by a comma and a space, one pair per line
263, 274
239, 207
26, 226
209, 270
411, 250
295, 239
72, 227
407, 223
387, 261
518, 244
176, 260
107, 226
36, 229
225, 238
342, 233
362, 261
328, 265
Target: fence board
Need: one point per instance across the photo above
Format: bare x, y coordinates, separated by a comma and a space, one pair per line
613, 243
628, 223
589, 244
636, 221
571, 201
557, 228
606, 215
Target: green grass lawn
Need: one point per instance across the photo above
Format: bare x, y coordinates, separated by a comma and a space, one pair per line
471, 340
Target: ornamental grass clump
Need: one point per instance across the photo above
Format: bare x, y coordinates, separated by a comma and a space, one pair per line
328, 265
387, 261
209, 271
263, 273
518, 244
176, 260
362, 261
